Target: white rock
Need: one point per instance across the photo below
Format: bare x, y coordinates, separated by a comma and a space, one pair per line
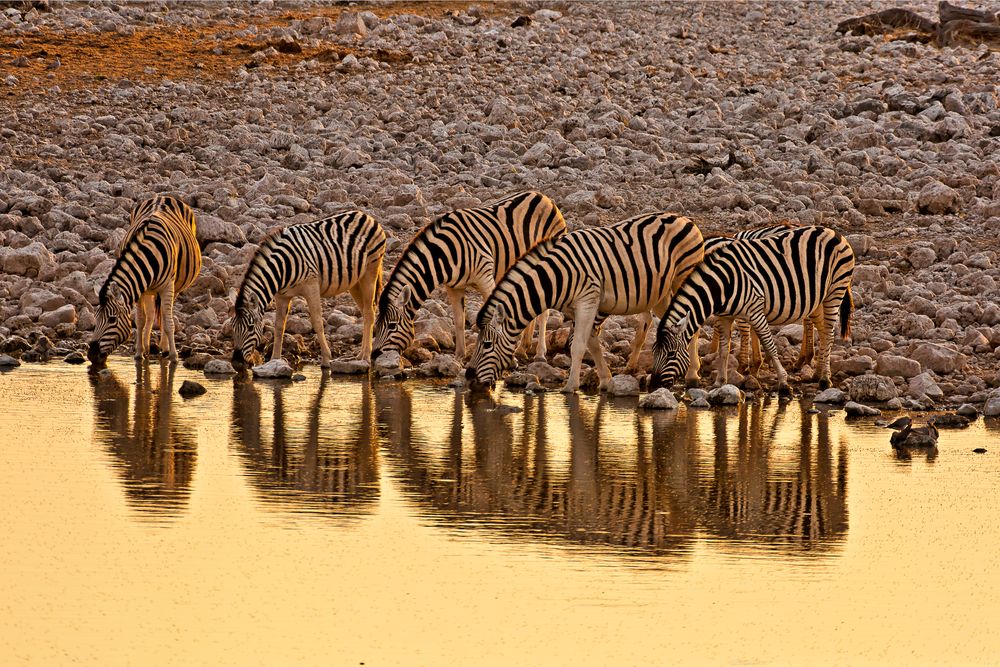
872, 388
623, 385
219, 367
831, 395
276, 368
727, 394
388, 360
661, 399
858, 410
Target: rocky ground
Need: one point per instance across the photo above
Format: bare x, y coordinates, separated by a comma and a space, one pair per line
734, 114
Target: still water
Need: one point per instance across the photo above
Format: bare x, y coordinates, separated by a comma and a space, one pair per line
342, 521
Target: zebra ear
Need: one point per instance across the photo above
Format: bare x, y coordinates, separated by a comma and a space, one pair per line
678, 329
405, 294
499, 315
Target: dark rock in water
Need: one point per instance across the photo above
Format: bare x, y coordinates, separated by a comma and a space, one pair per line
908, 436
968, 410
813, 411
979, 450
190, 389
7, 361
949, 421
74, 358
298, 377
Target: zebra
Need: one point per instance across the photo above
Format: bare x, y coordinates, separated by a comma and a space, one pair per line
157, 260
805, 273
468, 248
750, 343
631, 267
322, 258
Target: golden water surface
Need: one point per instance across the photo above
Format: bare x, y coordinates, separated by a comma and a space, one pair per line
346, 522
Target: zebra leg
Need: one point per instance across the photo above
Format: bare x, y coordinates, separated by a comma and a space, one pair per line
583, 327
315, 304
638, 342
722, 363
167, 320
140, 326
826, 327
694, 366
281, 303
756, 357
745, 345
542, 347
457, 299
525, 345
149, 305
364, 296
808, 351
603, 372
763, 331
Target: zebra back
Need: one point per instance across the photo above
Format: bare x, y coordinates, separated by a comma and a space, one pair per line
462, 245
795, 272
160, 245
337, 250
635, 263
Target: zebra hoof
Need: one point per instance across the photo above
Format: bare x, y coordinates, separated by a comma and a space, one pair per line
824, 383
784, 391
691, 383
154, 350
568, 389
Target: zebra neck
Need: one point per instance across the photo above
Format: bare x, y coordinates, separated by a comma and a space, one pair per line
132, 284
266, 276
423, 269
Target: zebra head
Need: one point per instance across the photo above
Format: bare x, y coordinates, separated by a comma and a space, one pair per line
248, 331
394, 323
114, 326
670, 353
494, 349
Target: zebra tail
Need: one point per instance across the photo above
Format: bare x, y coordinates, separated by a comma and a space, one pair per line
846, 306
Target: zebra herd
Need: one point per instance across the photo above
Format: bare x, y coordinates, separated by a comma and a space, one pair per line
518, 254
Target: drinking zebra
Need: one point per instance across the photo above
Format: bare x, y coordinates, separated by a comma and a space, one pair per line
805, 273
750, 359
315, 259
464, 249
632, 267
157, 260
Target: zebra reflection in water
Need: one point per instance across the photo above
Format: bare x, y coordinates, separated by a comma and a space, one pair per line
649, 483
325, 467
154, 452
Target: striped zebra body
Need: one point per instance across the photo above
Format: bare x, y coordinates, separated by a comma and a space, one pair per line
750, 359
632, 267
805, 273
158, 259
316, 259
464, 249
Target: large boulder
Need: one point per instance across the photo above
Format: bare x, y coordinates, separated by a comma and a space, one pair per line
31, 261
938, 358
895, 365
872, 388
212, 229
992, 407
545, 373
923, 385
219, 367
63, 315
937, 198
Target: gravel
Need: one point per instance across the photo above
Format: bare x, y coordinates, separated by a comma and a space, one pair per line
736, 118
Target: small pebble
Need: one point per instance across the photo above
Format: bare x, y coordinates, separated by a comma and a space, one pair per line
190, 389
979, 450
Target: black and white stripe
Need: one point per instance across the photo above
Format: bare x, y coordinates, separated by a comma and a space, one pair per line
632, 267
464, 249
750, 359
313, 260
158, 259
805, 273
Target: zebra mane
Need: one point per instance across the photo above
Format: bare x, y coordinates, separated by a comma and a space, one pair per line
102, 295
529, 259
384, 295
